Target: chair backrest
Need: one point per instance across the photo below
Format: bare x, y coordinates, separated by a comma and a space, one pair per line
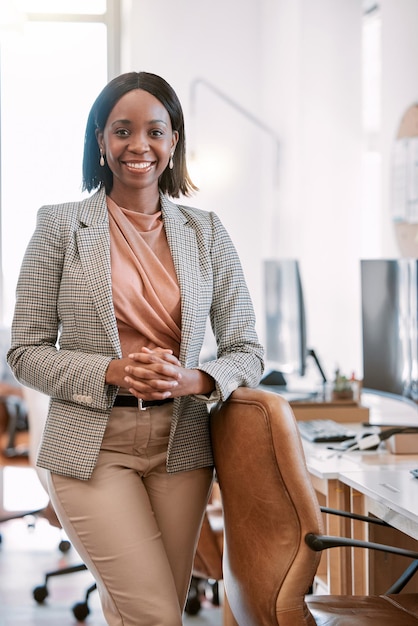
269, 505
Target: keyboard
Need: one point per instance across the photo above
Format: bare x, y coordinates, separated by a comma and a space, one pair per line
324, 431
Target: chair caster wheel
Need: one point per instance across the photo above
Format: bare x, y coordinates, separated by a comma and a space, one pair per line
193, 606
216, 600
64, 546
40, 593
81, 611
193, 603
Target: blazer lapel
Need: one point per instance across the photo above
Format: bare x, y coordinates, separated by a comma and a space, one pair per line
93, 240
182, 242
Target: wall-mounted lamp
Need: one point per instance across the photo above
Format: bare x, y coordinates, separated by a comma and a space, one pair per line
202, 83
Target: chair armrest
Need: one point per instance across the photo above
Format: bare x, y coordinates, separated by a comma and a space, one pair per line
355, 516
323, 542
403, 579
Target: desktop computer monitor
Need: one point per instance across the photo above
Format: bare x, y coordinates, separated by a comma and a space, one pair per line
389, 293
285, 319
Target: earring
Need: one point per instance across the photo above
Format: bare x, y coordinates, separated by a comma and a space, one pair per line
171, 162
102, 161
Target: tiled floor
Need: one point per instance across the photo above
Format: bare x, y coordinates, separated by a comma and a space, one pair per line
26, 554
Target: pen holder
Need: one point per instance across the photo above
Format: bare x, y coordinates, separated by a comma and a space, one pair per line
347, 391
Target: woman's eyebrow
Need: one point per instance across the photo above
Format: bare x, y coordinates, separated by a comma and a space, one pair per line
126, 122
157, 122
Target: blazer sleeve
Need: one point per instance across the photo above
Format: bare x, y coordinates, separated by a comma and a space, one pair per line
239, 360
34, 356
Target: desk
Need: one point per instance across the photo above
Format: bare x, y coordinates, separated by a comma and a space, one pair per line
357, 482
386, 409
334, 570
390, 494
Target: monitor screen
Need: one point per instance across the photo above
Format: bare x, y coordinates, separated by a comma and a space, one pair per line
285, 319
389, 291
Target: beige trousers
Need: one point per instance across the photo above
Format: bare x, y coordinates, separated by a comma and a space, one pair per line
134, 525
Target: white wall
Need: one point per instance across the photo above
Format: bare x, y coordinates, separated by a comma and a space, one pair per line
399, 92
296, 65
315, 78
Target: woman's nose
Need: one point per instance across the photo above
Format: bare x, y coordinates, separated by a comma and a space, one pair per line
139, 142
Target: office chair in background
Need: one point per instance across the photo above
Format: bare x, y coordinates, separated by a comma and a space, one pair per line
13, 448
12, 406
13, 420
271, 514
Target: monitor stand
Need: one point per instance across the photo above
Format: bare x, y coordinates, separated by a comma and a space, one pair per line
276, 378
313, 354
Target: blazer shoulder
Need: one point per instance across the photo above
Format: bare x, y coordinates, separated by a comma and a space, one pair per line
88, 210
196, 214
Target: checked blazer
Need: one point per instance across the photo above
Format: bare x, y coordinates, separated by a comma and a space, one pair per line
64, 331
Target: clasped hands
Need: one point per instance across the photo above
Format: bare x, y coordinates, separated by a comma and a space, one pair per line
156, 374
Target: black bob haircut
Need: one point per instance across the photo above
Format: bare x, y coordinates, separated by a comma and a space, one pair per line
172, 182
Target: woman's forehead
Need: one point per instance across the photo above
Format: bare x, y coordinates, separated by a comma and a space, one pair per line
139, 103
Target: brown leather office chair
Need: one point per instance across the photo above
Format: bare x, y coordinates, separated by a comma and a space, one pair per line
269, 509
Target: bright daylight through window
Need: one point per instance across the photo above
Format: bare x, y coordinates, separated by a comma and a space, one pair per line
52, 67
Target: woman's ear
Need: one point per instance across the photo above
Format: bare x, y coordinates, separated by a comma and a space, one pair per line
174, 140
99, 137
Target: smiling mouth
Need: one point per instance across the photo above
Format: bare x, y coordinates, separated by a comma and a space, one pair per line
143, 165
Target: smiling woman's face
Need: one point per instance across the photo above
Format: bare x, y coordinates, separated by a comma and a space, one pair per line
137, 141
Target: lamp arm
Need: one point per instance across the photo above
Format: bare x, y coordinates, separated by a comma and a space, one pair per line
235, 105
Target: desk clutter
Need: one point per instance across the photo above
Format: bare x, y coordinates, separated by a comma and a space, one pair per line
339, 411
405, 441
332, 413
398, 439
339, 400
325, 431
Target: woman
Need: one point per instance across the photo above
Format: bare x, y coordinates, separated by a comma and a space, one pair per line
111, 310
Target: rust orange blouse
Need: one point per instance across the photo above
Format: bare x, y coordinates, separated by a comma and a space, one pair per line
146, 294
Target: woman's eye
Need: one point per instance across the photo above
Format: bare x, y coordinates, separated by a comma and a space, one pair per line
157, 132
122, 132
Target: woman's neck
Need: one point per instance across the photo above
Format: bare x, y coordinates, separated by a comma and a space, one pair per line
140, 200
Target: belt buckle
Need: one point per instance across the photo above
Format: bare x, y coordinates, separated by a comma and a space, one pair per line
140, 405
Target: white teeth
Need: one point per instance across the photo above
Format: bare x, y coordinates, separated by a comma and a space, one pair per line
139, 166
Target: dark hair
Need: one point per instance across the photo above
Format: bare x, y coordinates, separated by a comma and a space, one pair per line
174, 181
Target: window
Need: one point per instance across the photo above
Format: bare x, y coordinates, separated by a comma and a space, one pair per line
53, 65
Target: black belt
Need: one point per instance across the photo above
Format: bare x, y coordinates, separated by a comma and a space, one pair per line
142, 404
